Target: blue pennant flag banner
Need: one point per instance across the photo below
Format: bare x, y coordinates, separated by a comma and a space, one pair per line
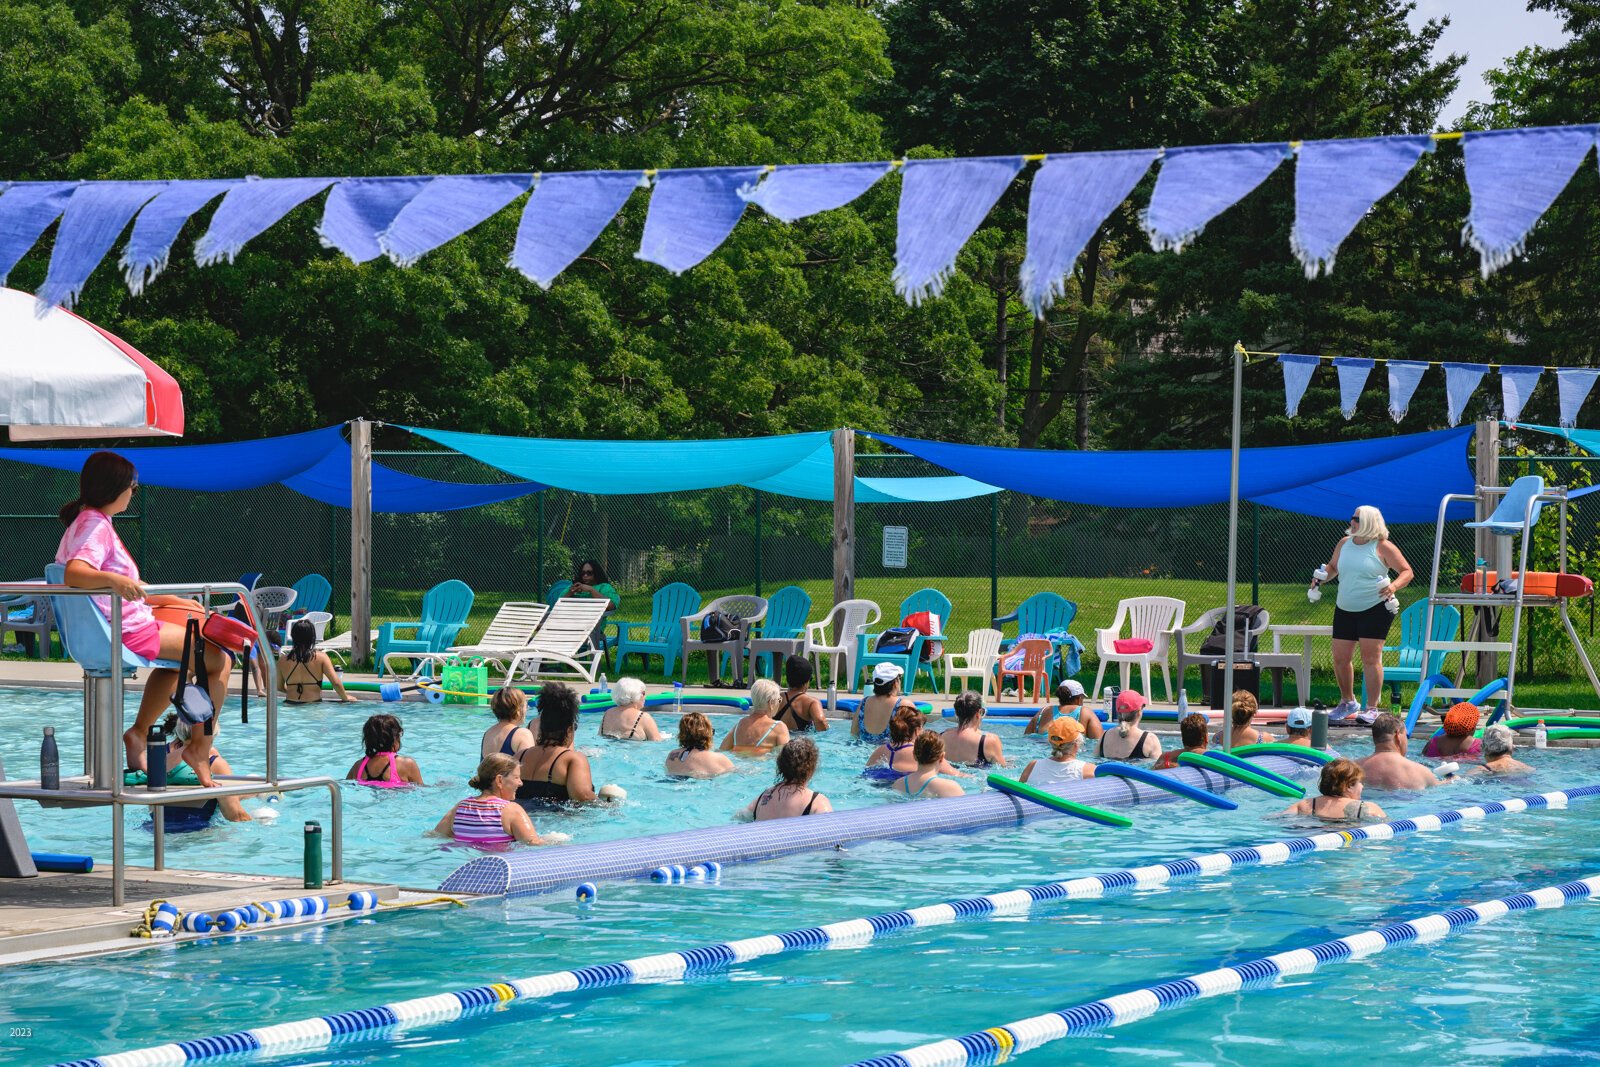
1404, 374
1352, 376
1572, 387
1513, 177
1460, 380
1297, 372
1516, 385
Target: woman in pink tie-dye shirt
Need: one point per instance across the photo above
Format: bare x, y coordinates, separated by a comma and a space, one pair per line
95, 558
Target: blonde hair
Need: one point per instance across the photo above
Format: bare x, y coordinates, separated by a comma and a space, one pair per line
494, 765
1245, 706
1369, 524
764, 696
509, 703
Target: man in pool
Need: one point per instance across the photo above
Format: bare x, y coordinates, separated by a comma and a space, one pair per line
1298, 726
1389, 767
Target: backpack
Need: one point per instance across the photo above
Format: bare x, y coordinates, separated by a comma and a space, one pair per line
1244, 618
717, 627
896, 641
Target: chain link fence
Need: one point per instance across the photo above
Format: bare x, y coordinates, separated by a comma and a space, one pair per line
987, 553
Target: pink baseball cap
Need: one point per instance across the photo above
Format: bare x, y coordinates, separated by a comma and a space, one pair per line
1130, 701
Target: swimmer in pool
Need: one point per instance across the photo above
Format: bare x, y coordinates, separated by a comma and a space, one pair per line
510, 733
896, 756
758, 733
1340, 801
1297, 727
1129, 742
492, 819
800, 711
967, 742
383, 766
1069, 703
178, 730
792, 796
1245, 706
1459, 739
693, 757
1192, 729
925, 782
302, 670
1498, 745
1063, 765
553, 771
872, 716
1388, 767
626, 719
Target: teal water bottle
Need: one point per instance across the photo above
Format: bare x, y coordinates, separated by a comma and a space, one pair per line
313, 861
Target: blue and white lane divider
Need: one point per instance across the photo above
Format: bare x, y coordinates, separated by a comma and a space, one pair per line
371, 1023
999, 1043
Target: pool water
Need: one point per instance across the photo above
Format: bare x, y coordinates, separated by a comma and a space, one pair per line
1517, 990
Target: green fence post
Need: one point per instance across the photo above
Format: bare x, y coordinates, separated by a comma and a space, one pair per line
994, 555
538, 565
758, 542
1255, 553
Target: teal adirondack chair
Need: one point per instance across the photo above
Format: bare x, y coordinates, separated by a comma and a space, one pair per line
445, 609
1410, 668
784, 627
556, 591
1041, 613
911, 660
312, 593
664, 634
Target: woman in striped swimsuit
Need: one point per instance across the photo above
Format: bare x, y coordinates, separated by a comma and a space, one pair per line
493, 818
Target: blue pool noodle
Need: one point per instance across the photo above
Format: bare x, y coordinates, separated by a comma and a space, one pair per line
62, 863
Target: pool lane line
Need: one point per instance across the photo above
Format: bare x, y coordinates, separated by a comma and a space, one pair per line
370, 1023
999, 1043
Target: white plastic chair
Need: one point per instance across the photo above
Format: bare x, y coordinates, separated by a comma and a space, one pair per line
851, 618
319, 621
752, 609
978, 661
274, 602
1151, 618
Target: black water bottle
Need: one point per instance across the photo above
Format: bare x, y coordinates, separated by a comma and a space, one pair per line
49, 761
155, 760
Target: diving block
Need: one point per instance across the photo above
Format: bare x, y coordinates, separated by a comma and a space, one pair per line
15, 859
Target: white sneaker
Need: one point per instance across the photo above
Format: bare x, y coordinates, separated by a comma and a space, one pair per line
1343, 710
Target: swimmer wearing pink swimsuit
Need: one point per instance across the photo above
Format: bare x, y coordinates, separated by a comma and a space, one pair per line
477, 822
390, 781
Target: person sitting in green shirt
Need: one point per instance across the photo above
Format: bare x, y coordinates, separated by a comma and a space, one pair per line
590, 581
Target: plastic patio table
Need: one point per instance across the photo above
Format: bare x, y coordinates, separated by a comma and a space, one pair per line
1280, 659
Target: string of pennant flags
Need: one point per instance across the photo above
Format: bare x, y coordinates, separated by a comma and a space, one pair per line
1461, 380
1513, 177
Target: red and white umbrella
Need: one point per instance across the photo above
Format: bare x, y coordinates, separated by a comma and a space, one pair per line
62, 376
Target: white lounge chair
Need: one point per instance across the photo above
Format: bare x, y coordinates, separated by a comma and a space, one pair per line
852, 618
561, 639
510, 631
1150, 618
340, 645
978, 661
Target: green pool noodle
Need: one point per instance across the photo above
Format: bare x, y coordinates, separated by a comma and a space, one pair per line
1239, 774
1023, 791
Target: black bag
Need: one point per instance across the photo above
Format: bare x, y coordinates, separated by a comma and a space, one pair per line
1244, 618
897, 640
192, 695
716, 627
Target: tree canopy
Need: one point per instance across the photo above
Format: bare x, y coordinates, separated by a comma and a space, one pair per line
786, 327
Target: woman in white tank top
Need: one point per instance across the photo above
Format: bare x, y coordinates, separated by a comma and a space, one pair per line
1366, 606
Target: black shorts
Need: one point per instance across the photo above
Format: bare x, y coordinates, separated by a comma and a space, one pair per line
1370, 625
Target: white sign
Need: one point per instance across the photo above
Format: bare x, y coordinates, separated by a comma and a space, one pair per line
895, 541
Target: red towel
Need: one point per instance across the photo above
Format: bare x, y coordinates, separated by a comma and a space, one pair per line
1132, 646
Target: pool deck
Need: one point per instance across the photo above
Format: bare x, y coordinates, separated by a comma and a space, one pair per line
57, 916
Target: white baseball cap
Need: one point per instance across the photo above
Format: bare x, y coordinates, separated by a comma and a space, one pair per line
884, 673
1068, 689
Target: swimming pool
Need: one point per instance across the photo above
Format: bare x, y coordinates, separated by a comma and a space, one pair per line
1513, 990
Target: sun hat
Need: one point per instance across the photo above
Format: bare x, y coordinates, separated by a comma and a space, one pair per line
1064, 731
1299, 719
1130, 701
1461, 719
1069, 689
884, 673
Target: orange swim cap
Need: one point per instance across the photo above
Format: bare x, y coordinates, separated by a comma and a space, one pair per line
1461, 719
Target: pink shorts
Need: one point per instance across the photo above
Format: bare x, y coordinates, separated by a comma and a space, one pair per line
145, 641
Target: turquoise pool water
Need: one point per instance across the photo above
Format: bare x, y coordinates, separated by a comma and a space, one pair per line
1521, 990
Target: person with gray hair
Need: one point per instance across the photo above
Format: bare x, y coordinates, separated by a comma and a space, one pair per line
1498, 745
626, 719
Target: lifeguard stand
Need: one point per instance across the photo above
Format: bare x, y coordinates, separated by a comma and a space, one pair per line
1514, 512
90, 638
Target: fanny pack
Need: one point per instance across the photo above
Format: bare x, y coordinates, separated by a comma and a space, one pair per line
192, 697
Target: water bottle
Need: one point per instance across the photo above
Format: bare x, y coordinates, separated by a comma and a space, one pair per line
833, 694
1541, 736
605, 686
49, 761
677, 697
1393, 604
313, 857
1183, 703
155, 760
1319, 725
1318, 576
1109, 695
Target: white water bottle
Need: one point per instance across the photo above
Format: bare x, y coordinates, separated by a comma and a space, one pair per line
605, 686
1393, 604
1541, 736
1318, 576
1183, 703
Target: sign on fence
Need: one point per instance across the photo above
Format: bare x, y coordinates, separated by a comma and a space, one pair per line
895, 541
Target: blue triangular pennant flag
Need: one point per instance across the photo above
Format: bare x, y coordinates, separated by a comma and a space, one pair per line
1336, 183
26, 210
691, 213
1072, 195
1404, 374
158, 225
1198, 184
1352, 377
1460, 379
451, 205
91, 223
248, 209
942, 203
359, 209
1514, 177
1572, 386
791, 193
1516, 385
563, 216
1297, 371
